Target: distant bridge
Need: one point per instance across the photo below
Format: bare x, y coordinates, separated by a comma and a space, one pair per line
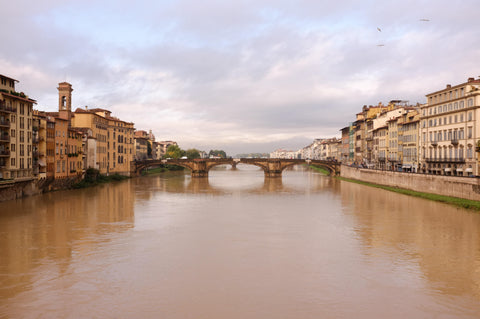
272, 167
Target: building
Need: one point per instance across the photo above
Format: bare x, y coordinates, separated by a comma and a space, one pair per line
40, 144
408, 126
16, 132
450, 130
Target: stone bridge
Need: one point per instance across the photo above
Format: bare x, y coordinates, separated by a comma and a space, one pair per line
272, 167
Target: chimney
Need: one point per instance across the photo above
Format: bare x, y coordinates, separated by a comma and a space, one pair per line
471, 79
449, 86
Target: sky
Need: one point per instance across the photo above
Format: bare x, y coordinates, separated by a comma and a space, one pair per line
241, 76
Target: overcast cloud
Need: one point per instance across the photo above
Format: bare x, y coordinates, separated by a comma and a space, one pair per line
242, 76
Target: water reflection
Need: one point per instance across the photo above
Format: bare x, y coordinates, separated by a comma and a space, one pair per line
442, 240
225, 180
52, 228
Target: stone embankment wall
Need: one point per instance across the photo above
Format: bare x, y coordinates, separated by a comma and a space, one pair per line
461, 187
12, 190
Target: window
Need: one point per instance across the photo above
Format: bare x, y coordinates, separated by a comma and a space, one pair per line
470, 102
469, 152
455, 105
469, 132
469, 116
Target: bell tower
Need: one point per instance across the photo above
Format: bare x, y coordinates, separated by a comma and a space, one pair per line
65, 100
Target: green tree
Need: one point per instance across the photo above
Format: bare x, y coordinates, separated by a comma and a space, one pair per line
192, 153
174, 151
219, 153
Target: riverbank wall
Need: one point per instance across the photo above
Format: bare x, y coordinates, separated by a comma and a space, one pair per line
10, 190
453, 186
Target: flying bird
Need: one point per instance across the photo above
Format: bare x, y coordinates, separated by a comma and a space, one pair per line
379, 30
426, 20
380, 45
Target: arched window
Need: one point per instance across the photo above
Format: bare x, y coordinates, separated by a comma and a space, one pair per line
64, 102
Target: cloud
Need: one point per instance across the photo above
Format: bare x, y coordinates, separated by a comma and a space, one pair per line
241, 75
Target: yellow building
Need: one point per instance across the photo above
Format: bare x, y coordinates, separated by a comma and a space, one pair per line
450, 130
39, 144
16, 111
408, 126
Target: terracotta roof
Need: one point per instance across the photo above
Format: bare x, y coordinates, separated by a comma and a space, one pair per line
4, 76
19, 97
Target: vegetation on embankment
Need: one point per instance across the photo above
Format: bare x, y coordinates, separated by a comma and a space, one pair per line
319, 169
459, 202
93, 177
162, 169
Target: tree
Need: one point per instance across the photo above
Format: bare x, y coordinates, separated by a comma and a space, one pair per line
174, 151
218, 153
192, 153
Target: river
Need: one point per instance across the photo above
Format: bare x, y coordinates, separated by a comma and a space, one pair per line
237, 246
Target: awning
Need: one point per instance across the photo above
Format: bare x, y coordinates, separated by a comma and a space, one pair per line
448, 169
41, 162
407, 166
459, 169
469, 170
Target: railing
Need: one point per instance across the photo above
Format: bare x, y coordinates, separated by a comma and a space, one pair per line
5, 138
444, 160
5, 123
5, 108
4, 153
3, 164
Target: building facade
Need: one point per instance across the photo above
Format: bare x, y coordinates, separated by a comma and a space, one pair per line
16, 132
450, 130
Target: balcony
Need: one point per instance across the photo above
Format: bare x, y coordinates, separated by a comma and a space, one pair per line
454, 141
4, 153
7, 109
3, 164
4, 123
444, 160
434, 143
5, 138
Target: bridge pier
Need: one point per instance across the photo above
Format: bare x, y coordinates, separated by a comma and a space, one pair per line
273, 174
199, 173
